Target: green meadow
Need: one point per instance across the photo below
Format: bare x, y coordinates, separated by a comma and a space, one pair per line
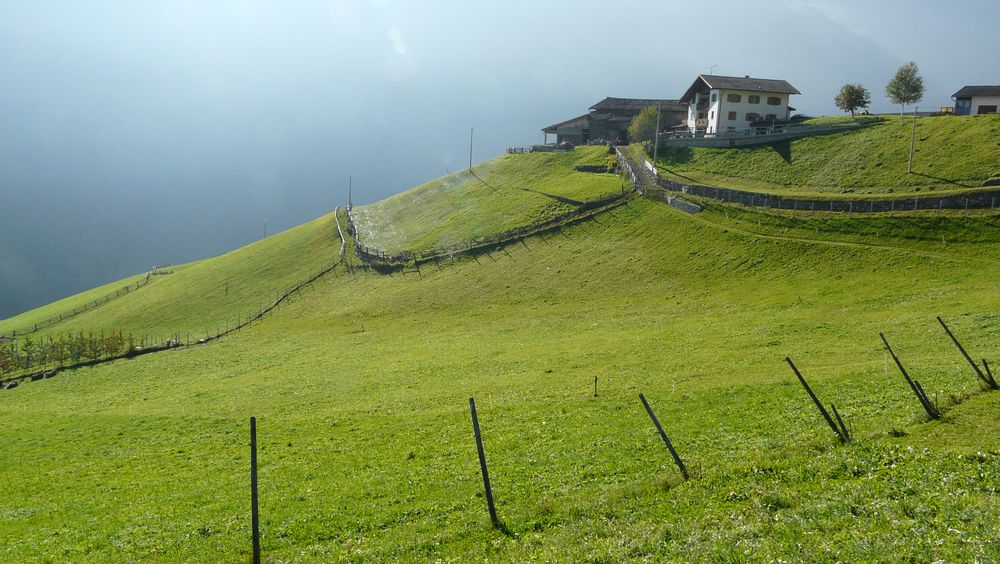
952, 154
360, 385
504, 193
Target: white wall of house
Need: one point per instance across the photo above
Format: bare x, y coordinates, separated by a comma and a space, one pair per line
984, 101
769, 105
722, 102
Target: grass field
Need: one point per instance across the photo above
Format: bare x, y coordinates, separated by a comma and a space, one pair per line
361, 389
952, 153
507, 192
195, 298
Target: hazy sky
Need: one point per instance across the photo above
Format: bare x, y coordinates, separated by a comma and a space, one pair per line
141, 133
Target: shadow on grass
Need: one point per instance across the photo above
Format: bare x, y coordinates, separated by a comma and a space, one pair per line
784, 149
488, 185
674, 155
504, 529
679, 175
946, 180
562, 199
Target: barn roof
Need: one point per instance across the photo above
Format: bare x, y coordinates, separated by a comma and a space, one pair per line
714, 82
970, 91
552, 128
636, 104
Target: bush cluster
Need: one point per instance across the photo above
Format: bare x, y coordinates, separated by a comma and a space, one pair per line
27, 354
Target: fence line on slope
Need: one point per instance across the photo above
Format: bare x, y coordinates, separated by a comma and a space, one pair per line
174, 341
80, 309
380, 259
980, 199
343, 241
642, 184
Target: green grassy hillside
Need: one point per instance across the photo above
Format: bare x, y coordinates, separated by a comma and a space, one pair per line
361, 389
195, 298
952, 153
507, 192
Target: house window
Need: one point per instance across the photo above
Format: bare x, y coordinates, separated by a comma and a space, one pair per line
771, 117
753, 99
774, 100
735, 98
752, 116
701, 115
711, 115
714, 96
732, 116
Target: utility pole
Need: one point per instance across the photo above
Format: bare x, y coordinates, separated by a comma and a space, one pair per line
350, 181
913, 140
656, 138
265, 229
471, 131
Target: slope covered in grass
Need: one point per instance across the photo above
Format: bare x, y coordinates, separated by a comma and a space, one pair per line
504, 193
197, 297
952, 153
361, 391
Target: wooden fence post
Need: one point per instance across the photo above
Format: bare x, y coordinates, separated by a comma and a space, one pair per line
989, 381
482, 465
254, 516
918, 390
841, 433
670, 447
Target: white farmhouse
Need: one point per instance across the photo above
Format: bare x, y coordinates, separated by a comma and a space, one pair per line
718, 104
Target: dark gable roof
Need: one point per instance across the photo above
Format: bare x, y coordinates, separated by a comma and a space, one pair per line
714, 82
555, 127
636, 104
970, 91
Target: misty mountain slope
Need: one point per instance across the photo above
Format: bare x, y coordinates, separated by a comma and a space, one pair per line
952, 153
503, 193
361, 386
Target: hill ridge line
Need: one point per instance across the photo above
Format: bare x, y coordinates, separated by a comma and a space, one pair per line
174, 342
124, 290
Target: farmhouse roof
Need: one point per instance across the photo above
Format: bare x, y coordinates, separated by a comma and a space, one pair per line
552, 128
970, 91
636, 104
715, 82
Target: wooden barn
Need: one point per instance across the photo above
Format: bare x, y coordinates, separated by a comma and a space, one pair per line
607, 120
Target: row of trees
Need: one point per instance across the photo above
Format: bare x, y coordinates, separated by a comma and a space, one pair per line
28, 354
906, 87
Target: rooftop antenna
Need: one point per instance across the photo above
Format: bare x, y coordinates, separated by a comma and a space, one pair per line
711, 69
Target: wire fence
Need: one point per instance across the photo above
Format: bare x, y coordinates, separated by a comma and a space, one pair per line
125, 290
377, 257
979, 199
39, 361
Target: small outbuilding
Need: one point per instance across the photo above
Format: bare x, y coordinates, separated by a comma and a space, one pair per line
975, 100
